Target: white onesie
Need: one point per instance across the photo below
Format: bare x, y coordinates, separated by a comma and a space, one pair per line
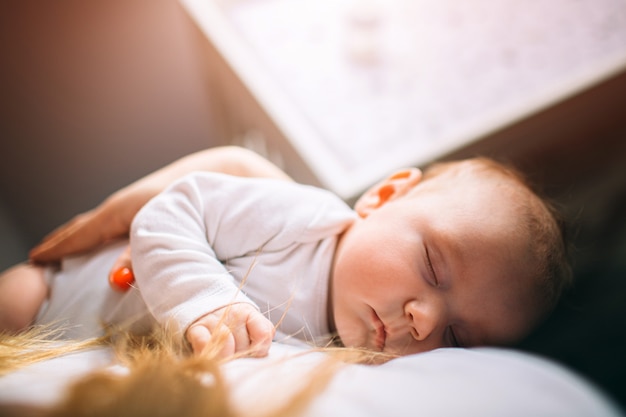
210, 240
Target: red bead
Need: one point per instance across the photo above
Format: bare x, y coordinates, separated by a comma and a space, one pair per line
122, 279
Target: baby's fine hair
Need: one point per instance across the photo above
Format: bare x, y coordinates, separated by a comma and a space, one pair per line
540, 219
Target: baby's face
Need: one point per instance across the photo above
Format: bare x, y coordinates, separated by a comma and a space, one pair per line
441, 266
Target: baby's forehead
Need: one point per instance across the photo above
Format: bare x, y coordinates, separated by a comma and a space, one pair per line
488, 177
472, 201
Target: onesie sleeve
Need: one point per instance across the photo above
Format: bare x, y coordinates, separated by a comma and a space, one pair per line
176, 269
184, 239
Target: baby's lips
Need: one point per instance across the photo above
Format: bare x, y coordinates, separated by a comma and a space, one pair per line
122, 279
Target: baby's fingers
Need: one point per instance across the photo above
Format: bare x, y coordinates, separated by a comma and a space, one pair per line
200, 336
261, 332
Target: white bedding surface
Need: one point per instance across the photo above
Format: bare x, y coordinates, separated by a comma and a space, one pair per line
445, 382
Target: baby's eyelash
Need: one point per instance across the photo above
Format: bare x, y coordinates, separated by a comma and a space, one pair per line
454, 340
430, 267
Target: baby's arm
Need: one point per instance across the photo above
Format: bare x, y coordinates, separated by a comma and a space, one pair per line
178, 272
23, 290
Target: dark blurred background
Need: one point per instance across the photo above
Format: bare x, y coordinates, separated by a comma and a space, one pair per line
587, 332
95, 94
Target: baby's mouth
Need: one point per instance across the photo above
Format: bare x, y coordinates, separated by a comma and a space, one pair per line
379, 329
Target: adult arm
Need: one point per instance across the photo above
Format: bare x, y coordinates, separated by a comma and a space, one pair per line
112, 218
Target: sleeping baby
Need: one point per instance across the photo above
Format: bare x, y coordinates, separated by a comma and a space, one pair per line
464, 254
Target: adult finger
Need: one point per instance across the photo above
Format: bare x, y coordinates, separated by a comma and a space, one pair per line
122, 261
78, 235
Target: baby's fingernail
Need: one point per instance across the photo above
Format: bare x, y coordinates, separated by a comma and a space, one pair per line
122, 279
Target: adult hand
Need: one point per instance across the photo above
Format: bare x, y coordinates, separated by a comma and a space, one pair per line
84, 232
240, 327
112, 218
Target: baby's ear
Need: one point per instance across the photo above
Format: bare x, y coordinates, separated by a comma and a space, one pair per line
390, 188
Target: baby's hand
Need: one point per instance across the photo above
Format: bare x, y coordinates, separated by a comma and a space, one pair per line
246, 329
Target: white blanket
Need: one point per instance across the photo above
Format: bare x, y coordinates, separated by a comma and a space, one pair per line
444, 382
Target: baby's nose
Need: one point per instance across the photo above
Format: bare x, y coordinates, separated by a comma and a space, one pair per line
424, 318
